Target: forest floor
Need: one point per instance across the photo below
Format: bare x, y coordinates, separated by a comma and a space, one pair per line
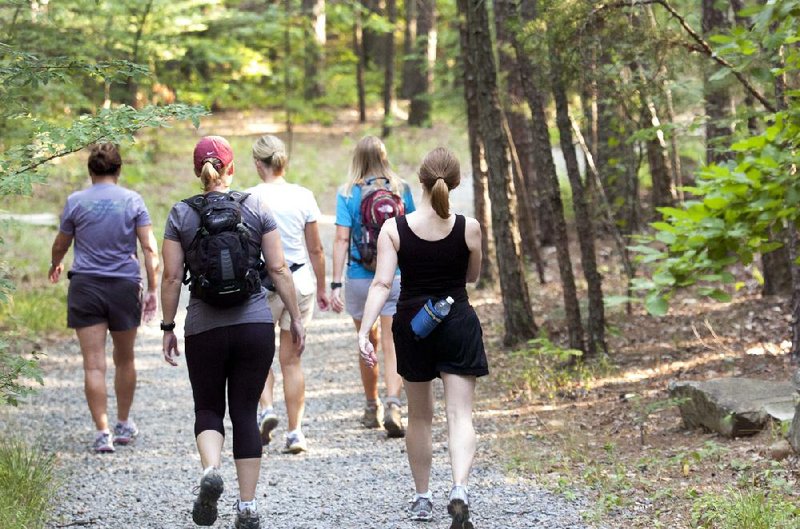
609, 428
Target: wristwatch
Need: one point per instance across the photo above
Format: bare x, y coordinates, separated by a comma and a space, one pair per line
335, 285
167, 326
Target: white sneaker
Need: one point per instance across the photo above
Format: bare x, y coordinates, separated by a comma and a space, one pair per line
295, 443
267, 422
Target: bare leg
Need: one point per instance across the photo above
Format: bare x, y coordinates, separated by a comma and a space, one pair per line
209, 445
247, 471
418, 433
394, 383
459, 392
125, 371
369, 375
294, 383
266, 400
92, 340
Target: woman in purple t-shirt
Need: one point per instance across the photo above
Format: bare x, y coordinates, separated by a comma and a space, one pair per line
105, 288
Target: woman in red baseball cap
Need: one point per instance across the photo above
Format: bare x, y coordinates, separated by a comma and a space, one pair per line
229, 330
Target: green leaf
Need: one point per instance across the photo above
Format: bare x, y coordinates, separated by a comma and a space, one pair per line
656, 304
715, 202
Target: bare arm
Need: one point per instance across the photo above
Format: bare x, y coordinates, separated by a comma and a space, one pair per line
473, 238
272, 249
151, 265
60, 248
317, 256
172, 255
341, 244
380, 288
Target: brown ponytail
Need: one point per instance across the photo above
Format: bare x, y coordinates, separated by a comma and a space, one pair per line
439, 173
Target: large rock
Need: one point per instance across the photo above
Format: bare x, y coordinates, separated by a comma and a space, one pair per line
733, 407
794, 431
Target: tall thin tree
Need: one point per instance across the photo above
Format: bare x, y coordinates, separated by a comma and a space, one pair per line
314, 58
425, 55
388, 72
519, 321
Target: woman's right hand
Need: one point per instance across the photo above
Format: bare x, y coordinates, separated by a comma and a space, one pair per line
337, 304
169, 346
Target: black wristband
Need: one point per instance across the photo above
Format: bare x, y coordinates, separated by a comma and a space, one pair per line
335, 285
167, 326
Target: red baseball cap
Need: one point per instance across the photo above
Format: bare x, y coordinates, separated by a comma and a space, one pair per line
215, 149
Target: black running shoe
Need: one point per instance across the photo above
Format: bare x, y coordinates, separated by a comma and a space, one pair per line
204, 511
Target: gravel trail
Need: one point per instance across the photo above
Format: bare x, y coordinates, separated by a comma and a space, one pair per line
351, 478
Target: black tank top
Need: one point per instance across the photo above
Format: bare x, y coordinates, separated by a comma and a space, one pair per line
432, 269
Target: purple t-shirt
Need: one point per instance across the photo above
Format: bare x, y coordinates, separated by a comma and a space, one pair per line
182, 225
103, 221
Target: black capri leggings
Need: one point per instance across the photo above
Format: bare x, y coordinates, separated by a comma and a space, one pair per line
239, 355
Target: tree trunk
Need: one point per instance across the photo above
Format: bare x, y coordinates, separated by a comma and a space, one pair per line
530, 73
519, 321
313, 59
409, 38
373, 41
584, 223
133, 86
519, 124
388, 72
358, 50
480, 177
718, 99
419, 114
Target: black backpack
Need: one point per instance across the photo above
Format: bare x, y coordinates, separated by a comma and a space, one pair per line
222, 263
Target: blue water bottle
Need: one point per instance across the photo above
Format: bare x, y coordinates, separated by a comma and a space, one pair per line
429, 316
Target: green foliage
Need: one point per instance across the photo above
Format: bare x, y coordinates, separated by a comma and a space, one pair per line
745, 509
27, 485
737, 209
550, 371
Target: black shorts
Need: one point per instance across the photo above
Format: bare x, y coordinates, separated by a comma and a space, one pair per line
95, 299
455, 346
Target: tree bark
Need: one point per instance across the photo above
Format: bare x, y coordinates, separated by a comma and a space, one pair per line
584, 223
718, 99
521, 134
133, 86
388, 72
314, 59
419, 114
548, 179
519, 320
409, 38
358, 50
480, 177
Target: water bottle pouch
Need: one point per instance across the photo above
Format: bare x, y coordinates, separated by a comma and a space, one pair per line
432, 314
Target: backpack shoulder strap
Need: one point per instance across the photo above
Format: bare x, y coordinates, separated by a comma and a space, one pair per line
196, 202
237, 196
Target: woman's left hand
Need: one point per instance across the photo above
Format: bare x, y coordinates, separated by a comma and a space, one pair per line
367, 350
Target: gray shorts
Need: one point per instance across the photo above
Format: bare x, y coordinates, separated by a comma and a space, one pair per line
355, 297
113, 300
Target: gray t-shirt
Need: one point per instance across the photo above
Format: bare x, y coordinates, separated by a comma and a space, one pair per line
182, 225
103, 221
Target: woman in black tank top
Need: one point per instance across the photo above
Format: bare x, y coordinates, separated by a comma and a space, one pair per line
438, 253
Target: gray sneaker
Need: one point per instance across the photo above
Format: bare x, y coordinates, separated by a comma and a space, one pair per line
372, 415
267, 422
458, 508
421, 509
246, 519
393, 422
295, 443
125, 433
103, 443
204, 510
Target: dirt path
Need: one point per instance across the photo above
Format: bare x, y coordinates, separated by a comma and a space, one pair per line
351, 478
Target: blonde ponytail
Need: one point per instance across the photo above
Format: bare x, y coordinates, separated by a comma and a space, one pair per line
210, 176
